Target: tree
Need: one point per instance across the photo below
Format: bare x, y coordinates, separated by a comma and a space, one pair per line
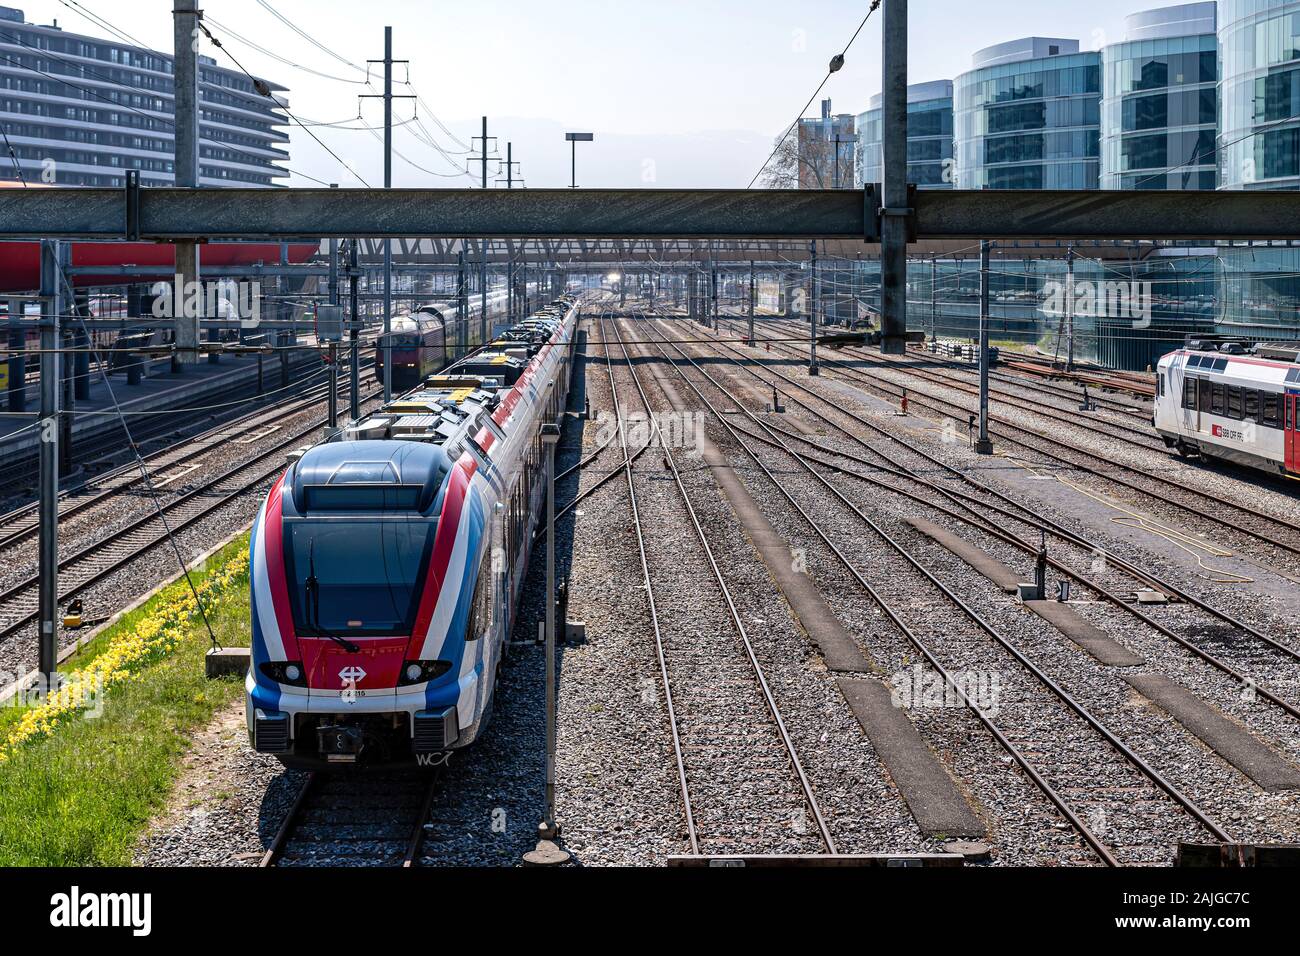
802, 162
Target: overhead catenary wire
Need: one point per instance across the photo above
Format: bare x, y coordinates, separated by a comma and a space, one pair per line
837, 61
312, 40
239, 38
85, 13
261, 87
13, 156
144, 472
410, 162
419, 100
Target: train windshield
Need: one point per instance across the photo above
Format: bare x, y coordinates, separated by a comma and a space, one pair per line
355, 578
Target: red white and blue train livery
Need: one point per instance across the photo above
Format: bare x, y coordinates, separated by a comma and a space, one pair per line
1227, 400
387, 563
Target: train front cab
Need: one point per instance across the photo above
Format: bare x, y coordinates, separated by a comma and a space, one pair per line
1198, 408
350, 559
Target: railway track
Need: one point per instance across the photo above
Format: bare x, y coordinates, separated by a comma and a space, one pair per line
17, 476
1044, 711
21, 523
1266, 529
728, 750
1135, 383
1139, 436
994, 512
358, 820
1006, 372
102, 557
999, 375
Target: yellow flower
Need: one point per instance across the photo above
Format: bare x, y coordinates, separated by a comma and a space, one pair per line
153, 637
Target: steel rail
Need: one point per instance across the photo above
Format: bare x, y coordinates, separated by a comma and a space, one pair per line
1030, 770
804, 783
691, 833
111, 438
281, 839
1064, 696
1005, 372
83, 497
1147, 441
206, 509
894, 391
1031, 518
1125, 409
975, 520
302, 801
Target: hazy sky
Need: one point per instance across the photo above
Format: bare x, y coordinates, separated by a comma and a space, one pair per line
678, 92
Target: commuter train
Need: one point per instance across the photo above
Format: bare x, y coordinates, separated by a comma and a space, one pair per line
426, 340
1229, 400
387, 563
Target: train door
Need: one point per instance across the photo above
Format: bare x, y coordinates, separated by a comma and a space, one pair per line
1291, 437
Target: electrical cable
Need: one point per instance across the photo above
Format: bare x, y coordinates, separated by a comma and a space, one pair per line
836, 63
14, 157
87, 14
261, 87
144, 473
310, 39
277, 57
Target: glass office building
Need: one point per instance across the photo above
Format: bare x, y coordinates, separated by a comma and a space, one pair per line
1028, 116
1259, 128
929, 138
81, 110
1160, 105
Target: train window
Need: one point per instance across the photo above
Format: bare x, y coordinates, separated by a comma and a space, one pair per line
1189, 392
1204, 391
1160, 385
1250, 410
1218, 399
1236, 402
1270, 410
480, 611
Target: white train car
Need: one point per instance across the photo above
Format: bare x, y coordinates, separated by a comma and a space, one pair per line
1222, 400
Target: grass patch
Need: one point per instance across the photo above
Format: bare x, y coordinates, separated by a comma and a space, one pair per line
80, 793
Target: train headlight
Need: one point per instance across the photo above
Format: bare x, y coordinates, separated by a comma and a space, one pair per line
285, 672
421, 672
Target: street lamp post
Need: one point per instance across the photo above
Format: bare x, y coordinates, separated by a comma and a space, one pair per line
574, 139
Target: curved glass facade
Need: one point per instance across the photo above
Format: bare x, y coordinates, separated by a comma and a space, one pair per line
929, 143
1030, 124
1160, 111
1259, 130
